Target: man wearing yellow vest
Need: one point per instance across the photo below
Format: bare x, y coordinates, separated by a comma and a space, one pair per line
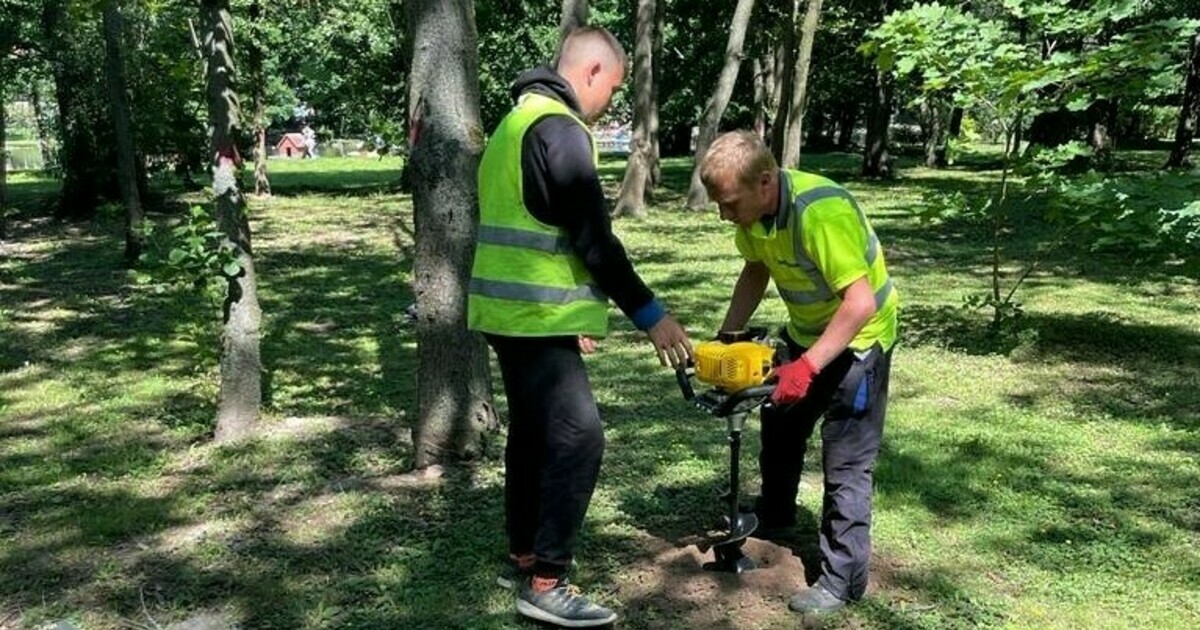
809, 236
546, 263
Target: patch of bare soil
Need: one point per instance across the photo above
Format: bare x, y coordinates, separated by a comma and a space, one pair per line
673, 590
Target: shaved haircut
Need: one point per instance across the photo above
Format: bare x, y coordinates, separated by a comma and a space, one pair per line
590, 43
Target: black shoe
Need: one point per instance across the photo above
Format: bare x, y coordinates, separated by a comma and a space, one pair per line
562, 605
775, 532
511, 573
815, 599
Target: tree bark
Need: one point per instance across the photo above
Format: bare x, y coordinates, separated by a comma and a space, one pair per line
631, 201
39, 117
241, 365
877, 162
453, 386
118, 102
1189, 112
795, 119
262, 183
760, 96
574, 15
3, 149
785, 71
933, 113
710, 121
656, 67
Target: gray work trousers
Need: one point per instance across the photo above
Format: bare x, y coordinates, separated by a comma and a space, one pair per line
851, 394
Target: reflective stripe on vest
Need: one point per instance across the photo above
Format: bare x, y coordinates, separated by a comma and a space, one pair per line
822, 291
512, 237
534, 293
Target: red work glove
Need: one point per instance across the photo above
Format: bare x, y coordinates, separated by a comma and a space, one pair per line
793, 380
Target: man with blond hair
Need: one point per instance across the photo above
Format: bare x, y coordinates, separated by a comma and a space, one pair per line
810, 237
546, 264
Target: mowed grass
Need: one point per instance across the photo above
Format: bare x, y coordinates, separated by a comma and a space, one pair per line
1043, 481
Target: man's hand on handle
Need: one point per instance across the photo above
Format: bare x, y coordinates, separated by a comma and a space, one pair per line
671, 342
794, 380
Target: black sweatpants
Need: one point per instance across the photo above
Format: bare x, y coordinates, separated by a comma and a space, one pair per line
851, 393
555, 444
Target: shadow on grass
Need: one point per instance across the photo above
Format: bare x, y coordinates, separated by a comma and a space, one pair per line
1134, 381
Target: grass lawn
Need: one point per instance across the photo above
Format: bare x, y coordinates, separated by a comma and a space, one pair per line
1049, 485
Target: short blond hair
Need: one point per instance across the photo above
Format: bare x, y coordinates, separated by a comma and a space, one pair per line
740, 154
590, 43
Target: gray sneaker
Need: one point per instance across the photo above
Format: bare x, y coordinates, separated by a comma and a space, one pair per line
815, 599
562, 605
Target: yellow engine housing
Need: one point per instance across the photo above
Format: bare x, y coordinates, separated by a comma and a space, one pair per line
733, 366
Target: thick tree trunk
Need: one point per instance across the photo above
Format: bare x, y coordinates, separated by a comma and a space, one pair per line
631, 201
118, 101
574, 15
710, 121
262, 183
453, 386
877, 162
1189, 112
241, 365
785, 71
767, 107
808, 33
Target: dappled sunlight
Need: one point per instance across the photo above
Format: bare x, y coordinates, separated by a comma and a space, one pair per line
1052, 459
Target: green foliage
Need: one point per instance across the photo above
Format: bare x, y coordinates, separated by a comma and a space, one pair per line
192, 255
1143, 216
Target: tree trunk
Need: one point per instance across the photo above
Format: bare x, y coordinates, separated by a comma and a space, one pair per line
262, 183
631, 201
39, 118
760, 96
710, 121
1100, 128
652, 125
876, 159
785, 70
1189, 112
453, 385
79, 158
3, 149
241, 365
816, 129
956, 120
574, 15
933, 114
118, 101
808, 33
846, 120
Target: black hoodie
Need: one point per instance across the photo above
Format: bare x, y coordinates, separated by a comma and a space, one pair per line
562, 188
